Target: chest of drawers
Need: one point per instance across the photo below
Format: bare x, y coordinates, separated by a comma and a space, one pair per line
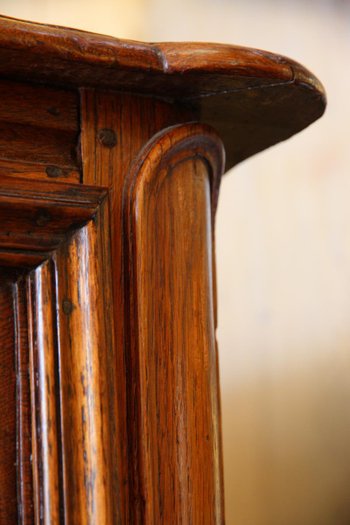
111, 154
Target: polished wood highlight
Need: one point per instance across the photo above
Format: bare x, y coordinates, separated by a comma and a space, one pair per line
111, 154
134, 120
87, 374
49, 229
253, 98
171, 195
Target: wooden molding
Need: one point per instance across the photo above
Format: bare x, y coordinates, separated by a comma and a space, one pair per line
45, 213
253, 98
110, 409
174, 409
58, 245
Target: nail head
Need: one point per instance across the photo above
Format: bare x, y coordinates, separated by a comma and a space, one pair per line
107, 137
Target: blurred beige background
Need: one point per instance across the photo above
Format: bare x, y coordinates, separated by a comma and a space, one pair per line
283, 259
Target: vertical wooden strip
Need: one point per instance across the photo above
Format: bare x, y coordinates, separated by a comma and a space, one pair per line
133, 120
171, 197
8, 493
87, 371
44, 362
24, 415
33, 402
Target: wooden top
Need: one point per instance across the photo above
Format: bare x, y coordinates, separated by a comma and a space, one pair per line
253, 98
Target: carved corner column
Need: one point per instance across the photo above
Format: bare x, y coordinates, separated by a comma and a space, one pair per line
163, 187
174, 404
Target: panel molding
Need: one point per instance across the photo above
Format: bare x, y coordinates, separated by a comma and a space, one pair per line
36, 216
56, 238
25, 494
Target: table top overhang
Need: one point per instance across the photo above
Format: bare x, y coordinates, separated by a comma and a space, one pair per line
253, 98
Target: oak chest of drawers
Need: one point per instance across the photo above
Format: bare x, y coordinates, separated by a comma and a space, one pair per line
111, 154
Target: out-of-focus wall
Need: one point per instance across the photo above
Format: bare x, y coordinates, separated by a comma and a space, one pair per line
283, 260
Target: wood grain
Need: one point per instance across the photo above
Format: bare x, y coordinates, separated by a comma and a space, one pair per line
134, 120
174, 408
116, 55
232, 88
73, 480
8, 480
87, 375
39, 106
33, 144
16, 481
31, 170
45, 213
24, 405
45, 391
110, 409
38, 127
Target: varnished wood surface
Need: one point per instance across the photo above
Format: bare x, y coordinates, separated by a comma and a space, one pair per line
55, 329
44, 365
91, 49
87, 377
39, 106
109, 179
44, 213
134, 121
39, 131
25, 407
8, 455
253, 98
174, 411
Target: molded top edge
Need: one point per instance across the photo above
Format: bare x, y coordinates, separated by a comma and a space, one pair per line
75, 45
253, 98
